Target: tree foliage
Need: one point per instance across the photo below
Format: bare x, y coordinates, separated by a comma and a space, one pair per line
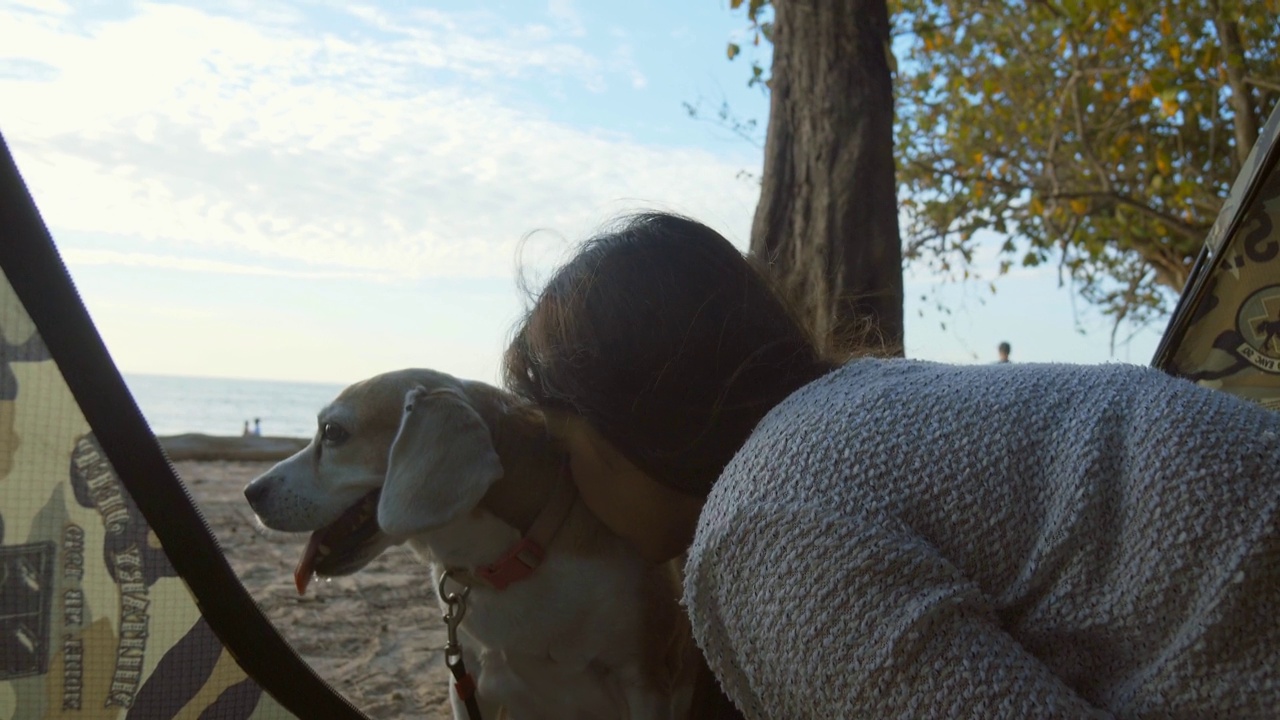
1102, 135
760, 16
1096, 134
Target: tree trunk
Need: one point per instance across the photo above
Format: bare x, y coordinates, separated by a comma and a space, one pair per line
1241, 102
827, 221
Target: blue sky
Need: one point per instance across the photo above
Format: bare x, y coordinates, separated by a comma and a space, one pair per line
323, 191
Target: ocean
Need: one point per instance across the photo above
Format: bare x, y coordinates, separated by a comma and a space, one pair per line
218, 406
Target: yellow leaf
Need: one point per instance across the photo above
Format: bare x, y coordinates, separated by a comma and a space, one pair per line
1176, 53
1169, 104
1079, 206
978, 190
735, 4
1166, 27
1142, 91
1062, 45
1162, 162
977, 158
1120, 21
733, 50
1037, 207
1206, 59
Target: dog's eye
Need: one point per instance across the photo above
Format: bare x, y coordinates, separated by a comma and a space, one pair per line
333, 433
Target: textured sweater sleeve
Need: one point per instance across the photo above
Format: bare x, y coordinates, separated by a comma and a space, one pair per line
825, 612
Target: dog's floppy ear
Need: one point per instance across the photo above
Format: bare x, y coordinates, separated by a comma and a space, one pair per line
442, 462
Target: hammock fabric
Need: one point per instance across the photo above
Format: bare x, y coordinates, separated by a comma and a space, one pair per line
116, 602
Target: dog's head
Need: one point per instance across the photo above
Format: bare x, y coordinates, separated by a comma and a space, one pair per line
395, 455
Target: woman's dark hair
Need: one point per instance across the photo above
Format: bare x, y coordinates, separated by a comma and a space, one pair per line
669, 341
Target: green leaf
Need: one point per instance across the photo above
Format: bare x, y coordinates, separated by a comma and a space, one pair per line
1063, 103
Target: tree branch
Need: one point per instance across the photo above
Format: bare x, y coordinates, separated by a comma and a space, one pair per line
1246, 125
1049, 6
1264, 84
1185, 229
1078, 112
744, 129
1167, 266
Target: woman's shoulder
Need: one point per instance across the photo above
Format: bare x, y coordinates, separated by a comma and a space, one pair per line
871, 370
895, 385
903, 383
886, 412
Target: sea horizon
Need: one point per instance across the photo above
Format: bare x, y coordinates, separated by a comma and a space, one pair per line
176, 404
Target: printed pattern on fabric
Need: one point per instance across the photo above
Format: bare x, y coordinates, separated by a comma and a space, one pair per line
1232, 341
94, 622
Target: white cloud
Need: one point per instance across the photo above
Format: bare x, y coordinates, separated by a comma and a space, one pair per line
475, 45
88, 256
566, 15
190, 131
51, 7
624, 61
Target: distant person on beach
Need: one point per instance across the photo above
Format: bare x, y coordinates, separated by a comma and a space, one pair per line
257, 427
247, 432
882, 537
1003, 349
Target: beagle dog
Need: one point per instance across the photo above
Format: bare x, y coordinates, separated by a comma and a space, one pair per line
563, 619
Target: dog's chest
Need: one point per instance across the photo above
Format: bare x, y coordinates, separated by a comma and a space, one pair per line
534, 690
566, 643
573, 611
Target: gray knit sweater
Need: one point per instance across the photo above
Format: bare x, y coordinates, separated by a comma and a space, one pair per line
904, 539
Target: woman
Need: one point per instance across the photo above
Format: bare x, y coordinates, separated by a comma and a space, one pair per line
891, 538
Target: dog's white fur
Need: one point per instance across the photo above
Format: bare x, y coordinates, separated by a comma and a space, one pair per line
595, 632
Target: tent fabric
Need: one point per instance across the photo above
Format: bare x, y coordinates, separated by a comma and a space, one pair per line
1225, 331
115, 600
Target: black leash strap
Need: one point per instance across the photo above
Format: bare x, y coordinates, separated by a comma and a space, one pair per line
463, 683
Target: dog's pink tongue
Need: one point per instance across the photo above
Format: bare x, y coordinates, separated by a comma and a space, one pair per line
306, 566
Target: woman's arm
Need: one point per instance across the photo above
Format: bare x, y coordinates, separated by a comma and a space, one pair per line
807, 612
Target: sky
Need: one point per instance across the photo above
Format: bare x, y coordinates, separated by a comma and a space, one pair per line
322, 191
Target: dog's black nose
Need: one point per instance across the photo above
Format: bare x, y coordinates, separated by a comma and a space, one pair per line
255, 491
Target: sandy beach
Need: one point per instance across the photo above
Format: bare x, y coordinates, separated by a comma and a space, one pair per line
375, 636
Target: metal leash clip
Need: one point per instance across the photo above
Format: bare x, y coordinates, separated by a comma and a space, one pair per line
456, 609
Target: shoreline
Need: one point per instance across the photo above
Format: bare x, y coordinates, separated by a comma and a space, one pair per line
248, 448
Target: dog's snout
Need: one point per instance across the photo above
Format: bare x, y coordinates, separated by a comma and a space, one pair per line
256, 491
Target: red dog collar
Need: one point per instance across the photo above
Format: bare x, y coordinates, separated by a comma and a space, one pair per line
523, 558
